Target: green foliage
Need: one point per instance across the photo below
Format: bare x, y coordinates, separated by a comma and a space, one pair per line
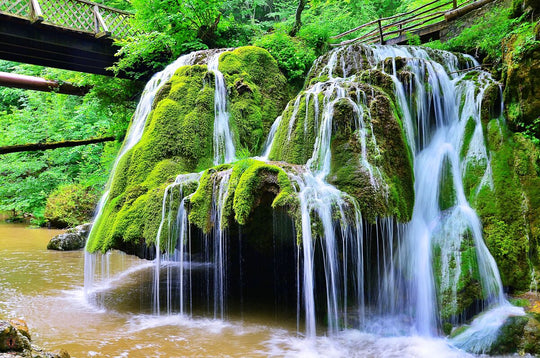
293, 56
167, 29
70, 205
484, 37
413, 39
170, 28
27, 178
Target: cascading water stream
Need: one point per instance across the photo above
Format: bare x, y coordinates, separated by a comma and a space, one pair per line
222, 140
434, 125
135, 132
224, 150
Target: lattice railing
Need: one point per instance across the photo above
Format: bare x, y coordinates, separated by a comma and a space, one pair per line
15, 7
78, 15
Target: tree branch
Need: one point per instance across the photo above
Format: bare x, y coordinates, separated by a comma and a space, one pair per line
52, 145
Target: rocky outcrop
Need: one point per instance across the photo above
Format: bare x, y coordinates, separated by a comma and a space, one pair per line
521, 58
73, 239
15, 342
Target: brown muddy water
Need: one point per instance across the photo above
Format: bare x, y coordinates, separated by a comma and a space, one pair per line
45, 288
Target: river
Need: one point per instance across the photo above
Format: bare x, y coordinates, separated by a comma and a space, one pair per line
45, 288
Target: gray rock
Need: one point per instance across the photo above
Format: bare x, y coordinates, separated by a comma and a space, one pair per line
83, 230
73, 239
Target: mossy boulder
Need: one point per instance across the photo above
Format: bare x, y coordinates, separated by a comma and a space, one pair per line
456, 299
371, 159
509, 209
15, 341
257, 93
517, 334
178, 138
508, 203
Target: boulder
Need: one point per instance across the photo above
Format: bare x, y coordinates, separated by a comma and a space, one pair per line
520, 334
73, 239
15, 342
11, 339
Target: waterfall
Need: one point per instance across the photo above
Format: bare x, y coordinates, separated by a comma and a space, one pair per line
175, 221
435, 106
385, 274
136, 129
133, 136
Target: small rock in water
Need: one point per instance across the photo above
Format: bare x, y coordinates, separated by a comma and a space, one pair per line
10, 339
73, 239
21, 326
15, 342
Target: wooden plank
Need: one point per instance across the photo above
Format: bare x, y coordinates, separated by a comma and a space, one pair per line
416, 16
35, 13
100, 24
432, 29
454, 14
381, 36
31, 147
412, 26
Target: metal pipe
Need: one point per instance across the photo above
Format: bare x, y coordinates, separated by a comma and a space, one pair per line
40, 84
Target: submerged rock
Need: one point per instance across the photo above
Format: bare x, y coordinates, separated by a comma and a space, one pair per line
15, 342
73, 239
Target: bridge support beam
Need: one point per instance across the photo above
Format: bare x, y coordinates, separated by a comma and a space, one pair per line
40, 84
46, 45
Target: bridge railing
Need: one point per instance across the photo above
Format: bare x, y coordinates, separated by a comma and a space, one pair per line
78, 15
380, 30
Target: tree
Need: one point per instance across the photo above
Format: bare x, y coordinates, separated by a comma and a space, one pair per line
298, 18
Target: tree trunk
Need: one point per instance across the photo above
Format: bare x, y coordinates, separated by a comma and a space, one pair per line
298, 20
53, 145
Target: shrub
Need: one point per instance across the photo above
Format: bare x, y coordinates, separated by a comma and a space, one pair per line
293, 56
70, 205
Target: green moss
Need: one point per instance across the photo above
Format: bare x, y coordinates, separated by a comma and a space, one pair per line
510, 335
250, 180
257, 93
470, 127
521, 57
396, 157
379, 79
296, 135
509, 220
178, 138
257, 177
447, 191
454, 301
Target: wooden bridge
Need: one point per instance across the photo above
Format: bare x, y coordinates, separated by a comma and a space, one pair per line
69, 34
427, 22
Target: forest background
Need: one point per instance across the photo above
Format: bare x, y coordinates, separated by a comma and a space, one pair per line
60, 187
